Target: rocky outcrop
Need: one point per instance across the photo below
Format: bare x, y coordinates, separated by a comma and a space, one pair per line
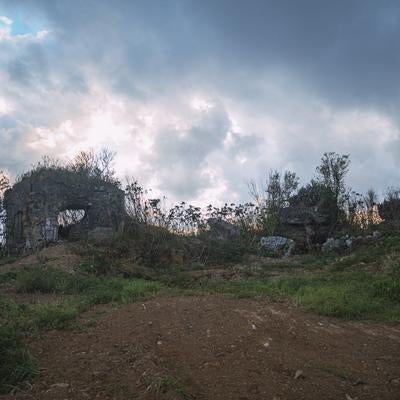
347, 242
332, 244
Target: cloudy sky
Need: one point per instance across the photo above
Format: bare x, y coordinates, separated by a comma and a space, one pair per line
200, 96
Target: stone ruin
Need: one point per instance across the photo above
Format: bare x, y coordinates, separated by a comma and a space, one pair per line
307, 225
34, 204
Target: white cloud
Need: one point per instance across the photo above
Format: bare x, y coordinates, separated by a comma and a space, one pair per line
7, 36
209, 153
5, 106
192, 111
5, 20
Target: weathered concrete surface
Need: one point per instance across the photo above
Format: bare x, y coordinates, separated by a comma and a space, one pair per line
33, 205
306, 225
222, 229
302, 216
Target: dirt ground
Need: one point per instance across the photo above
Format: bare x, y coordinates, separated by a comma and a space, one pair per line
57, 256
215, 347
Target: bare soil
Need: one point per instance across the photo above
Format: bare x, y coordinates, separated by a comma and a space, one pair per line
215, 347
59, 256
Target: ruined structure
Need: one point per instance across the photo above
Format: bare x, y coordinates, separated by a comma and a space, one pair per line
307, 225
33, 206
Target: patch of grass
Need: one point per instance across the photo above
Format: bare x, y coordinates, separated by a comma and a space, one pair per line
342, 290
169, 384
56, 315
95, 289
139, 289
16, 364
41, 279
348, 295
340, 300
336, 371
19, 320
7, 259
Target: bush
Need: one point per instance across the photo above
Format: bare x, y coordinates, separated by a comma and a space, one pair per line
55, 315
41, 279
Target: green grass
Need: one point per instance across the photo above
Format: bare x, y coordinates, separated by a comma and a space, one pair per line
78, 294
5, 259
95, 289
348, 295
334, 285
16, 364
168, 384
56, 315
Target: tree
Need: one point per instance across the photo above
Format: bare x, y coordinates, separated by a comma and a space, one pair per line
4, 185
277, 190
332, 172
371, 205
274, 196
280, 188
390, 207
96, 165
316, 194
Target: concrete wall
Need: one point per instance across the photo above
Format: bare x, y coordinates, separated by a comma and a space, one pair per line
33, 204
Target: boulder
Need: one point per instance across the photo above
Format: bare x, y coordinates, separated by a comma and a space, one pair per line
349, 242
376, 235
278, 245
332, 244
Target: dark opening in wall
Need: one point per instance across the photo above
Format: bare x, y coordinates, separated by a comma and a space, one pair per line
67, 220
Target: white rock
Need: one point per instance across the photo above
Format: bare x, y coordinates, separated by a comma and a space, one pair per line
277, 244
298, 374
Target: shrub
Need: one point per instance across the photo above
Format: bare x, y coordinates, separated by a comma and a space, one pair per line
41, 279
55, 315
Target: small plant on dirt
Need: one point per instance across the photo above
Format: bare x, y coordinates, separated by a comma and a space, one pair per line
168, 384
56, 315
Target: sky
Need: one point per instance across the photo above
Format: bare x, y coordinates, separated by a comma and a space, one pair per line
200, 97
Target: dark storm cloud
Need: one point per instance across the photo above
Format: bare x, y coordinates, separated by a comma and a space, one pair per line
346, 50
268, 64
